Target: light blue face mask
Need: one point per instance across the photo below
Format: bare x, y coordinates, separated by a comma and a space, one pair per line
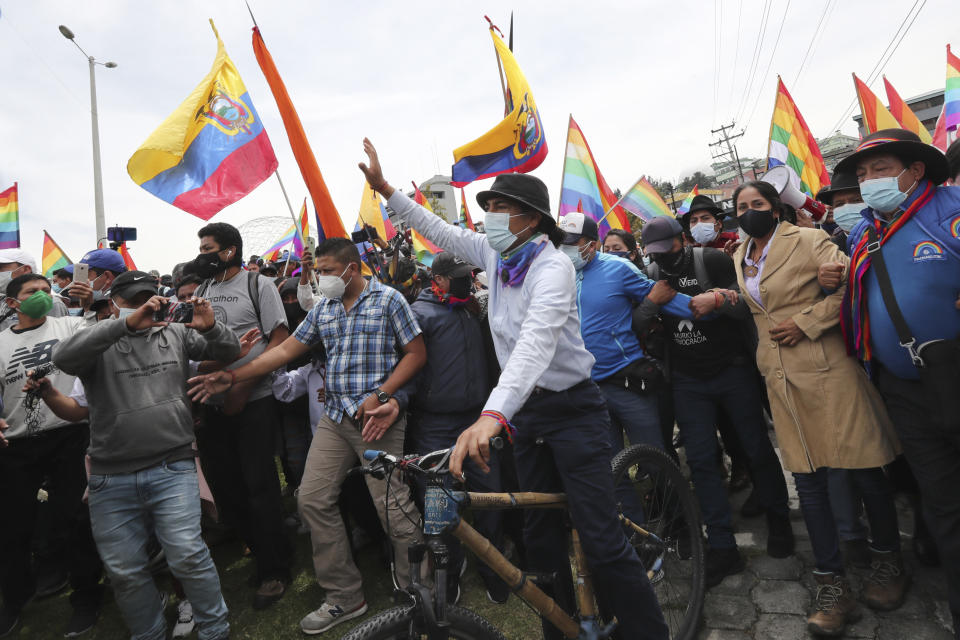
883, 194
575, 254
124, 312
76, 312
497, 227
848, 215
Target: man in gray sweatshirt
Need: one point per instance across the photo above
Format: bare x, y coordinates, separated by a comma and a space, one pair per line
142, 468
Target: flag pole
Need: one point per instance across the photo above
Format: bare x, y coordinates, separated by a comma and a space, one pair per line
296, 225
503, 86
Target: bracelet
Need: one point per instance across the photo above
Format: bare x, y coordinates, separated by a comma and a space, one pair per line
383, 185
233, 378
719, 298
502, 421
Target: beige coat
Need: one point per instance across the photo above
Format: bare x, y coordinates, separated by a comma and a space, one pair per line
825, 410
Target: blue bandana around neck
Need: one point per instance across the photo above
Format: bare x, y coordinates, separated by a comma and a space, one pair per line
513, 270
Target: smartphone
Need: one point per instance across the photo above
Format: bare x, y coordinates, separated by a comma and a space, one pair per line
179, 312
360, 236
310, 244
81, 273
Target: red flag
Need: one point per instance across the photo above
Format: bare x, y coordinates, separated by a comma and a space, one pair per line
327, 217
464, 212
127, 259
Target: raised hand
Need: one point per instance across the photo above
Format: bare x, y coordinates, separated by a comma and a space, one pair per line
373, 172
203, 387
247, 341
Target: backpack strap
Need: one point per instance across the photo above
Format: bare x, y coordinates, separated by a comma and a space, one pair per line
653, 271
700, 269
253, 289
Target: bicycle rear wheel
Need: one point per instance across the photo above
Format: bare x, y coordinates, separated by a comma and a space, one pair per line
670, 512
402, 623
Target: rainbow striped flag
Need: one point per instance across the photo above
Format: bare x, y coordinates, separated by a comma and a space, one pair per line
424, 249
583, 183
688, 201
875, 115
9, 218
212, 150
792, 144
643, 201
273, 251
904, 115
53, 257
951, 95
303, 230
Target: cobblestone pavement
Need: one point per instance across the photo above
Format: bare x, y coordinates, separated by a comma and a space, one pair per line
772, 597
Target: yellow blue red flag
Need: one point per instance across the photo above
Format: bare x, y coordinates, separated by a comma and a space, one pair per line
517, 144
211, 151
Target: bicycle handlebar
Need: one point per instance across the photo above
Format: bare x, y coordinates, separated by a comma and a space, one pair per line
434, 462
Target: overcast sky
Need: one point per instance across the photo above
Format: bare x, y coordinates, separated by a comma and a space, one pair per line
420, 78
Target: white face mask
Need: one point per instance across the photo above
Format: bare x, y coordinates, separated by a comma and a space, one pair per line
497, 227
123, 312
848, 215
703, 232
333, 286
6, 277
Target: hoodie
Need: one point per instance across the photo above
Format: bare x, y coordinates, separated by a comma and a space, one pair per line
136, 387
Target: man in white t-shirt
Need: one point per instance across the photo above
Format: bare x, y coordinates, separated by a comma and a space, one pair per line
41, 445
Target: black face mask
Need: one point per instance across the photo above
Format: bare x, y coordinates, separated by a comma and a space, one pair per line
756, 224
460, 287
294, 314
207, 265
669, 262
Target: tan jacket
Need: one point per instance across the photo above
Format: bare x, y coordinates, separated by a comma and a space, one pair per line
826, 412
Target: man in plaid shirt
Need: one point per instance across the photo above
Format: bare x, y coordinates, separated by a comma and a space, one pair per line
364, 328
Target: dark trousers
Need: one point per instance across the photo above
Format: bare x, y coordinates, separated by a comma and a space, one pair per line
563, 444
813, 489
430, 432
698, 405
933, 453
237, 457
58, 456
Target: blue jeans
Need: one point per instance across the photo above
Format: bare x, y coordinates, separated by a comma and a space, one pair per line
562, 444
697, 402
845, 502
814, 494
632, 413
124, 508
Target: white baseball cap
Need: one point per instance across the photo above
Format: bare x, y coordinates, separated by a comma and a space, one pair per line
19, 256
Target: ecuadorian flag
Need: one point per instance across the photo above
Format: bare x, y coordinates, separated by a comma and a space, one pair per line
517, 144
211, 151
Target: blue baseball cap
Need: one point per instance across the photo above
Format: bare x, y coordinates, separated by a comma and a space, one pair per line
105, 260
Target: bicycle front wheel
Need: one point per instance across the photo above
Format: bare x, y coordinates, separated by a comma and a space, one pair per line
652, 491
402, 623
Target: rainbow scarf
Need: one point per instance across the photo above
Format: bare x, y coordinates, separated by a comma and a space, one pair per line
854, 322
513, 270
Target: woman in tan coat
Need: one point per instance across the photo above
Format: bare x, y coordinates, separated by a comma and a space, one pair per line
826, 413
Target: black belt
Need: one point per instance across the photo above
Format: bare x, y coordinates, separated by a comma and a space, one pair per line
538, 391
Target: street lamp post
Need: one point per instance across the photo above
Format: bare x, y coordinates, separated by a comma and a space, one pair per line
95, 127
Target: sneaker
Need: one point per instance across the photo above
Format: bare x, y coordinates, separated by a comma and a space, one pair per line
885, 588
857, 553
9, 620
497, 590
722, 563
780, 540
185, 623
329, 615
52, 583
269, 592
835, 606
81, 620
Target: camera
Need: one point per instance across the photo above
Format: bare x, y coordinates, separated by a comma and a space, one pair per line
179, 312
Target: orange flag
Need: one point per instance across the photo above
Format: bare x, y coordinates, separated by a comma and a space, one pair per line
127, 258
904, 115
322, 202
875, 115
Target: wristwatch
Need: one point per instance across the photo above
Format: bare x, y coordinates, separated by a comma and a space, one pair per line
383, 396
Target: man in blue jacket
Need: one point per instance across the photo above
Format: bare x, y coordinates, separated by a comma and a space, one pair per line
446, 397
913, 227
607, 289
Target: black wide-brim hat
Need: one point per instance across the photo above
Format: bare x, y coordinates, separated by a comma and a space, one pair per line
523, 188
904, 143
840, 181
702, 203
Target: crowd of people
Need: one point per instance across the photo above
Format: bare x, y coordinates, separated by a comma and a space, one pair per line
149, 409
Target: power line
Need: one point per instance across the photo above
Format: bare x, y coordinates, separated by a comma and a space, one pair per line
766, 72
716, 63
813, 39
753, 55
755, 63
878, 68
736, 55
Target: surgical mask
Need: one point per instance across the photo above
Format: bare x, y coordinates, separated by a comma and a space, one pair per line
646, 261
6, 277
703, 232
755, 223
124, 312
883, 194
332, 286
499, 236
76, 312
37, 305
848, 215
575, 254
56, 288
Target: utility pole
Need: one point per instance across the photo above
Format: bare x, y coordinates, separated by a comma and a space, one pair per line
724, 139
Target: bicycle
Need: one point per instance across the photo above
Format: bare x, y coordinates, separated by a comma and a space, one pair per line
673, 557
